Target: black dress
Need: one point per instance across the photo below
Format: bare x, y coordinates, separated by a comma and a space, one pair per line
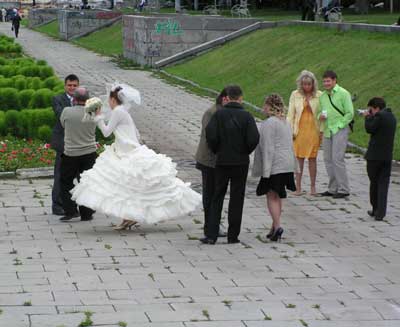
277, 183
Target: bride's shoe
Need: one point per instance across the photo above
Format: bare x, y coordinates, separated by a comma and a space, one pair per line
126, 224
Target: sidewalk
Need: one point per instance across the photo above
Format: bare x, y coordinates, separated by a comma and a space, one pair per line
335, 267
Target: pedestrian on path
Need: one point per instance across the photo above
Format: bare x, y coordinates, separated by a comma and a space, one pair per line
380, 123
60, 102
205, 162
306, 128
232, 135
336, 112
308, 10
79, 153
274, 161
16, 21
129, 180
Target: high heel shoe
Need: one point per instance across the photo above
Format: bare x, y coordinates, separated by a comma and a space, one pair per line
126, 224
271, 232
277, 235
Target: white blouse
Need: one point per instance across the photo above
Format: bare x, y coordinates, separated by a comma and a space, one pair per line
123, 127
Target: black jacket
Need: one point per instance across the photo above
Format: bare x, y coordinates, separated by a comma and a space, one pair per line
232, 135
57, 139
382, 127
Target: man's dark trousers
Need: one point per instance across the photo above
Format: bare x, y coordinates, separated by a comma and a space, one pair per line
208, 182
71, 168
379, 175
237, 177
56, 191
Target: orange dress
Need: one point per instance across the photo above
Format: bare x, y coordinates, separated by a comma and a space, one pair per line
307, 141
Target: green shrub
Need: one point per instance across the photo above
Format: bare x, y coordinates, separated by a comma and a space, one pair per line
32, 119
8, 70
25, 97
41, 99
34, 83
9, 99
44, 133
41, 63
13, 122
51, 82
22, 62
45, 71
3, 61
5, 82
20, 82
31, 70
2, 123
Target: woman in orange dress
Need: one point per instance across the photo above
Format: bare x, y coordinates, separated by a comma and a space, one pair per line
302, 116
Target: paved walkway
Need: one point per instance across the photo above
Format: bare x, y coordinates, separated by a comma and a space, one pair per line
335, 267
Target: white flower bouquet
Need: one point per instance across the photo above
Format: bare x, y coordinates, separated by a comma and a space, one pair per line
91, 106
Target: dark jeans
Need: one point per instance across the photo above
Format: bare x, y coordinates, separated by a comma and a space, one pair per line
208, 184
379, 175
237, 177
71, 169
56, 192
16, 30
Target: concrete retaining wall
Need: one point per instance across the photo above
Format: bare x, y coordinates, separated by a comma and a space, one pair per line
150, 39
73, 24
37, 17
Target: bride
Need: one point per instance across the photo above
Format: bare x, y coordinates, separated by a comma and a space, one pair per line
129, 180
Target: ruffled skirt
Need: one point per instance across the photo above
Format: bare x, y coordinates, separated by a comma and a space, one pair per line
139, 184
277, 183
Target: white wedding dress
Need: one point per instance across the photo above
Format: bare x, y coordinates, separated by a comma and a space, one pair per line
131, 181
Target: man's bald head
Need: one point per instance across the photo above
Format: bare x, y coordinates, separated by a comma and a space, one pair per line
81, 94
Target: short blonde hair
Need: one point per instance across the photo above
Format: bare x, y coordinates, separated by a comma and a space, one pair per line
307, 75
277, 106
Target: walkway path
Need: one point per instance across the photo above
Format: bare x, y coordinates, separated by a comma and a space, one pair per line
335, 267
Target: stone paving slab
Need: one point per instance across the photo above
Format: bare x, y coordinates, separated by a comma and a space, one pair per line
334, 267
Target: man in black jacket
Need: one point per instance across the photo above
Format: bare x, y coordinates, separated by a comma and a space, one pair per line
381, 124
57, 139
232, 135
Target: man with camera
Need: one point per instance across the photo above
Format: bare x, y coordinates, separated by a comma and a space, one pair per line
381, 124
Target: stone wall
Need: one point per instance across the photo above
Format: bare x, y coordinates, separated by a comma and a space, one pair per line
150, 39
73, 24
43, 16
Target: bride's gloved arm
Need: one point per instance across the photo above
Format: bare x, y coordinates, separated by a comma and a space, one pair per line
108, 129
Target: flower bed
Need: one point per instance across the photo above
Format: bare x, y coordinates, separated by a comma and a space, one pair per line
18, 153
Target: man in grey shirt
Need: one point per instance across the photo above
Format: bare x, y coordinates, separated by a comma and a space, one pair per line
79, 153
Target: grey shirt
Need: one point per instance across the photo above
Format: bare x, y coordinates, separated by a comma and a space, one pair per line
79, 136
274, 154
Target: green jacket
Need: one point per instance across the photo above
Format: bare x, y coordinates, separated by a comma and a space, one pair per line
341, 98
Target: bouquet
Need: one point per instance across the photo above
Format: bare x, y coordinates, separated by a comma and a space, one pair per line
91, 106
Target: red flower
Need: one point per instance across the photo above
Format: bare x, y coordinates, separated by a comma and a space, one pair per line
47, 146
48, 162
2, 150
14, 152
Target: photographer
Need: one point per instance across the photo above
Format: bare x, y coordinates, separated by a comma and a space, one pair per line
381, 124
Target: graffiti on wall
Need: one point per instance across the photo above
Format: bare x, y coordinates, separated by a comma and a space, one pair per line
169, 27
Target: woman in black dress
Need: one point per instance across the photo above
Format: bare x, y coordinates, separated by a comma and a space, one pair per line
275, 161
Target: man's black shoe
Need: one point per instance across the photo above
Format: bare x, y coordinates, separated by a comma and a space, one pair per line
340, 195
222, 234
327, 193
207, 240
378, 218
233, 241
371, 213
87, 218
69, 217
58, 212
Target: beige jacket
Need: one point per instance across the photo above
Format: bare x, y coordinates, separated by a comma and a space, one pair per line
296, 106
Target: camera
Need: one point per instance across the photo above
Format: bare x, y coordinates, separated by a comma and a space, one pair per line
361, 112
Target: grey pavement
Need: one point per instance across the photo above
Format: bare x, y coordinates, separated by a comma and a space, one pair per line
335, 266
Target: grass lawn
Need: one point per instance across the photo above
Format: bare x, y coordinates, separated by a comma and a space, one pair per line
107, 41
50, 29
270, 60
